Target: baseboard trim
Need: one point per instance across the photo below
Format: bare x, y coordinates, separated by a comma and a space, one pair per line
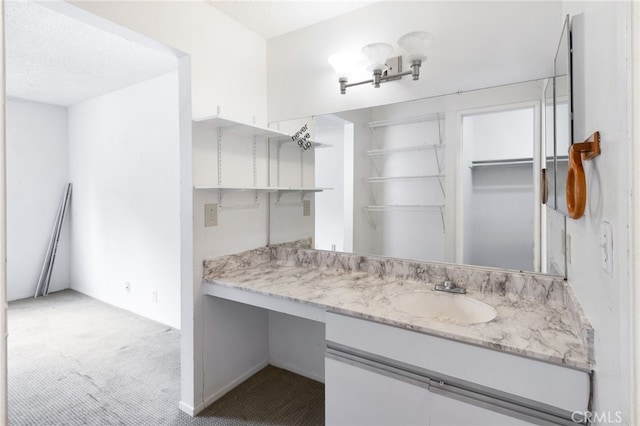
187, 408
300, 372
220, 393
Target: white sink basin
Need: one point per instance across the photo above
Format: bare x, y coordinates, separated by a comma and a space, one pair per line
446, 307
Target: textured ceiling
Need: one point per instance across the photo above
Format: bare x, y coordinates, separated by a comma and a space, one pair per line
59, 60
273, 18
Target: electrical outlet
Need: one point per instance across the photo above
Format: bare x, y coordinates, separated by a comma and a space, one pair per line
306, 208
154, 296
606, 246
210, 215
127, 287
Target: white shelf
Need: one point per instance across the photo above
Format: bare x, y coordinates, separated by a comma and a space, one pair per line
406, 120
380, 179
413, 148
260, 188
218, 122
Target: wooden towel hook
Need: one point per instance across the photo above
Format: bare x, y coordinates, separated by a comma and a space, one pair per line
576, 190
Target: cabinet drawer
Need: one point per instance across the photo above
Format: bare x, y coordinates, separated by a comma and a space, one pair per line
360, 396
551, 386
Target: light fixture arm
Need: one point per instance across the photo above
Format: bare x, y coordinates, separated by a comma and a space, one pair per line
378, 77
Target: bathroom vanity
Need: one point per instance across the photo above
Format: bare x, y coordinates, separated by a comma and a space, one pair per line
523, 355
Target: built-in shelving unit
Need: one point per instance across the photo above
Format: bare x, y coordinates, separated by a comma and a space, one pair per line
224, 126
432, 146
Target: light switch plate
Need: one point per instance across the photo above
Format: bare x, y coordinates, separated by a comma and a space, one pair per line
606, 247
306, 208
211, 215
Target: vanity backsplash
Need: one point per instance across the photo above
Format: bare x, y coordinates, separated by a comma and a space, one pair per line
514, 285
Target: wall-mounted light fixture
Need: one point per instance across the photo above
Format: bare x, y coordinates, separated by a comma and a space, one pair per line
384, 66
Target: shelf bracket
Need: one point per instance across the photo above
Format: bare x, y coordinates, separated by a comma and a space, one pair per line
435, 150
440, 117
369, 217
441, 185
279, 202
374, 141
444, 229
372, 196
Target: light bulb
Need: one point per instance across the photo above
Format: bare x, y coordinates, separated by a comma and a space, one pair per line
377, 54
415, 44
346, 64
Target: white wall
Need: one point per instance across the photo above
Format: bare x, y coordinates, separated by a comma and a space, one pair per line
124, 163
228, 62
228, 70
297, 344
600, 103
502, 135
476, 44
37, 173
330, 223
362, 236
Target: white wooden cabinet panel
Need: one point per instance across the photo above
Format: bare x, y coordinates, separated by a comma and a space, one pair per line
446, 411
560, 387
358, 396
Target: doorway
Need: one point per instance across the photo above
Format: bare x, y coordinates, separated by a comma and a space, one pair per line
104, 108
334, 169
500, 226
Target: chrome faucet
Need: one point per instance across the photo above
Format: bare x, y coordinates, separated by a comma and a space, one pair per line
450, 287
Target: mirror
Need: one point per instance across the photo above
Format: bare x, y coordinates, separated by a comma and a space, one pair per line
563, 122
450, 179
549, 145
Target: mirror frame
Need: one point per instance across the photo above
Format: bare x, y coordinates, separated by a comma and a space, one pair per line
562, 65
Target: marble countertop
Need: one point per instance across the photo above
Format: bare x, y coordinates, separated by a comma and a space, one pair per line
524, 325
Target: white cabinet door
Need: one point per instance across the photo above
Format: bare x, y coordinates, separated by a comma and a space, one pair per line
355, 395
445, 411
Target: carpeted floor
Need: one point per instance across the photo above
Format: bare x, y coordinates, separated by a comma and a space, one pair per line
76, 361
